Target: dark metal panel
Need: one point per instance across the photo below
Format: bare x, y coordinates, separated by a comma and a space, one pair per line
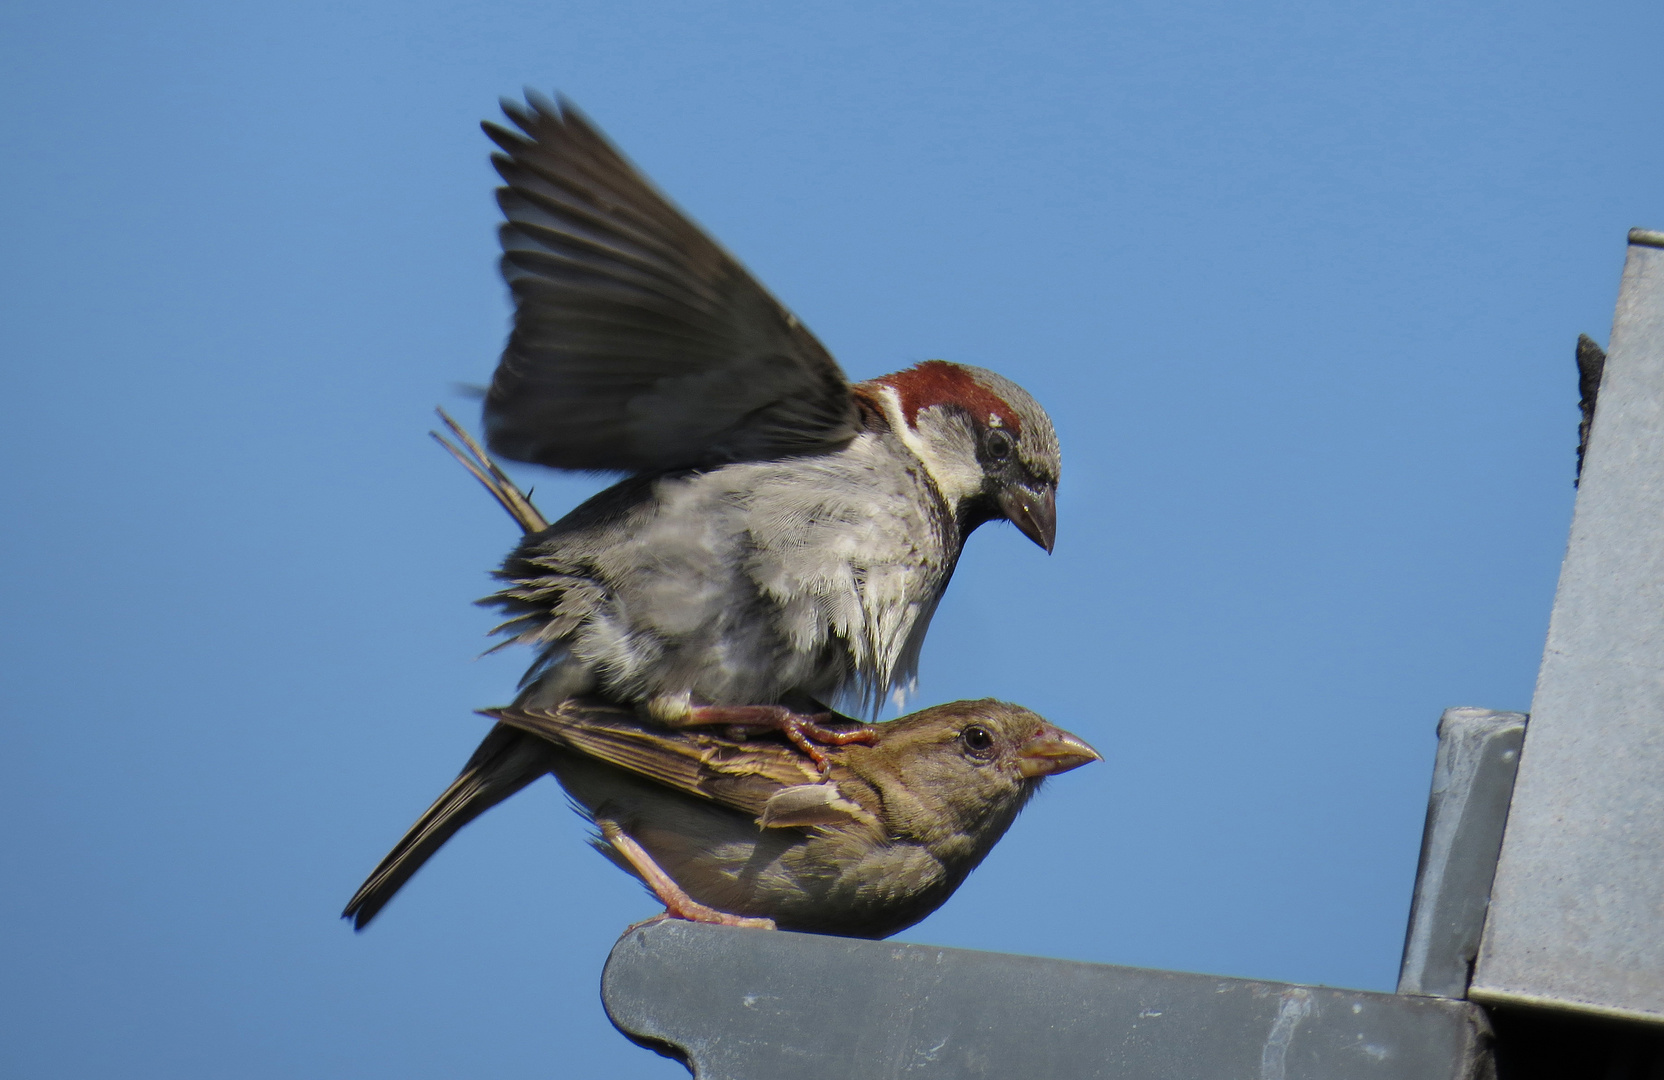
1577, 909
1473, 776
762, 1005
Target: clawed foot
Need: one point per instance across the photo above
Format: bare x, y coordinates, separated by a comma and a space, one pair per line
803, 730
677, 903
702, 914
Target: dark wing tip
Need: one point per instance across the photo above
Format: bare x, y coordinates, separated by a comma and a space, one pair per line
510, 142
523, 113
543, 104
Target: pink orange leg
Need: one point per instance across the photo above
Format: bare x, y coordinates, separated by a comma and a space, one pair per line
677, 903
804, 730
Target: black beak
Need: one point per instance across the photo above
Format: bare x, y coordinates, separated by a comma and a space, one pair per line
1034, 512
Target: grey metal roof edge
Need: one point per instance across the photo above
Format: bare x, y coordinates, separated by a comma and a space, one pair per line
733, 1004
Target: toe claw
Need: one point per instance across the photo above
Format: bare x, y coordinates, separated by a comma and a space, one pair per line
807, 732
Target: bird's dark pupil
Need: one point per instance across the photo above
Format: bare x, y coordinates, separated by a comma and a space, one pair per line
999, 443
978, 738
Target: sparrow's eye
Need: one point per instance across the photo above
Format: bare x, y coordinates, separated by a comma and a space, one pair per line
1000, 444
977, 739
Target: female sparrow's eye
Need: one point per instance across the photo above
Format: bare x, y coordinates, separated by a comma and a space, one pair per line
1000, 444
977, 739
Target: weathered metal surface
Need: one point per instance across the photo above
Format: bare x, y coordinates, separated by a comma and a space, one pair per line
1473, 776
1577, 908
761, 1005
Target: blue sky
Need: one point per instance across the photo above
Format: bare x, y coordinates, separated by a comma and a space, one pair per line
1299, 284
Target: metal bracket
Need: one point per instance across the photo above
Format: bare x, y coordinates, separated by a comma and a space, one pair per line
1473, 779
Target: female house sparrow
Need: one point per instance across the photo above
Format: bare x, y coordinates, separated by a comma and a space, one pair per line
784, 537
745, 832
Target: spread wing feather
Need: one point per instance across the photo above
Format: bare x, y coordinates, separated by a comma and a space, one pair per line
639, 344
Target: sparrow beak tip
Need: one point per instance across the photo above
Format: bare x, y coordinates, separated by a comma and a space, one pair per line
1034, 514
1054, 751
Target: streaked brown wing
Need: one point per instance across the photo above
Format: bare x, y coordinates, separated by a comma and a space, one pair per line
638, 342
740, 775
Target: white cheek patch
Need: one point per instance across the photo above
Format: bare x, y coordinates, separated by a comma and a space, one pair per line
941, 443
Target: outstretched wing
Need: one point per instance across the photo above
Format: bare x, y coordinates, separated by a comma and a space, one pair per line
638, 343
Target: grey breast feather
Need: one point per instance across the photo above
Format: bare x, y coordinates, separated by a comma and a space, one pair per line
814, 575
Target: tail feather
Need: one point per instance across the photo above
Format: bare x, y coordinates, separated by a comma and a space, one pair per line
506, 761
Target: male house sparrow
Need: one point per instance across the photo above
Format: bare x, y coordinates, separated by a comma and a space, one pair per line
747, 833
784, 537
